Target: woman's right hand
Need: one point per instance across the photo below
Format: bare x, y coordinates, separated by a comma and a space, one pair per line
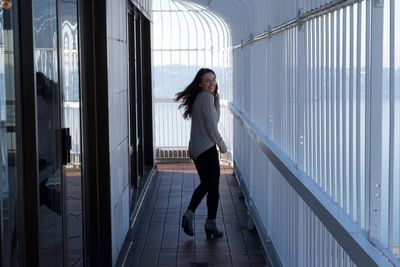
222, 146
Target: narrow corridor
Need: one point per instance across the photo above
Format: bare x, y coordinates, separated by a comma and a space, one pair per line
161, 242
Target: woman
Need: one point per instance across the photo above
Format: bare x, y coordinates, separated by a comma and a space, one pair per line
200, 101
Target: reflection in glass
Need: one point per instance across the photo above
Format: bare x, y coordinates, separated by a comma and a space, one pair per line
9, 179
71, 119
48, 116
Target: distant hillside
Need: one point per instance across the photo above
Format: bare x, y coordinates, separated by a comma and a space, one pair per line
170, 79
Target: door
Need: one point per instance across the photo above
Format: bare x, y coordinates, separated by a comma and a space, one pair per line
58, 132
140, 103
46, 71
40, 168
11, 190
135, 107
71, 133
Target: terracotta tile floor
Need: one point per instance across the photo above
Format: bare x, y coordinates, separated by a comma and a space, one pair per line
161, 241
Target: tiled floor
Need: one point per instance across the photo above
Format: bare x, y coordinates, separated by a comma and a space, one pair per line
161, 241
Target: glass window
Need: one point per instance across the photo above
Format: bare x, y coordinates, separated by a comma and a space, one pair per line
45, 35
9, 151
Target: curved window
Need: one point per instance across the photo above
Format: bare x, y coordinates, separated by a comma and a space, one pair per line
186, 37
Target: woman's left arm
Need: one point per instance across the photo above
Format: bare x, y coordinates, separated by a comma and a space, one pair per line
211, 120
217, 106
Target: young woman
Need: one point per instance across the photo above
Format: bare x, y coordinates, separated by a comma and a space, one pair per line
200, 101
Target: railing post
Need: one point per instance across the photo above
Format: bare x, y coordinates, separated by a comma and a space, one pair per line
374, 114
300, 94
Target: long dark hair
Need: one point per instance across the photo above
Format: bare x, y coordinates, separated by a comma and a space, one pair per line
188, 95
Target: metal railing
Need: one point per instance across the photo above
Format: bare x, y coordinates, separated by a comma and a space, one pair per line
329, 107
172, 131
292, 210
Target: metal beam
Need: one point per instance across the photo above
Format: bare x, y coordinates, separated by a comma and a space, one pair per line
302, 18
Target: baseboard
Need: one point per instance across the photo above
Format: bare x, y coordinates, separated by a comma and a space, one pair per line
136, 216
143, 199
269, 249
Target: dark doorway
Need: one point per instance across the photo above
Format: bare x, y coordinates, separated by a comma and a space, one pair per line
140, 103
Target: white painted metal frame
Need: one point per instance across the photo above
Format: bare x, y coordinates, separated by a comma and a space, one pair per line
337, 138
186, 38
328, 57
317, 205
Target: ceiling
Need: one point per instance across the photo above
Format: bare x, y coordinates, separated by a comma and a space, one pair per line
252, 17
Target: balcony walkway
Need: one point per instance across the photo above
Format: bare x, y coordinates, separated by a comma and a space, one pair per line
161, 242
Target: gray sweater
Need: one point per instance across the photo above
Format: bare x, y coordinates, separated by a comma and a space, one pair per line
204, 130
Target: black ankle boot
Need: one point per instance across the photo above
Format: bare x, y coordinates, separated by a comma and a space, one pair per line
187, 222
211, 229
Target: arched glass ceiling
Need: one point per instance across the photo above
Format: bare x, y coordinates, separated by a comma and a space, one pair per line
186, 37
250, 18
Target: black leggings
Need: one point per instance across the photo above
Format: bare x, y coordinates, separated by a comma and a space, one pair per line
207, 165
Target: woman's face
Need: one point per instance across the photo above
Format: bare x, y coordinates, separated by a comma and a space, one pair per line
208, 82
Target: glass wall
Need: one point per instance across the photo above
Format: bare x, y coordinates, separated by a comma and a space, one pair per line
53, 198
72, 179
46, 68
71, 108
56, 69
10, 182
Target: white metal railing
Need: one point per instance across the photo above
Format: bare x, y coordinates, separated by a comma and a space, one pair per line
305, 225
172, 131
330, 106
186, 37
72, 121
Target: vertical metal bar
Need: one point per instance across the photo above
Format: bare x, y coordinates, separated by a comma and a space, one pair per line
392, 127
319, 244
300, 118
307, 97
288, 94
344, 110
358, 114
332, 119
318, 101
375, 140
314, 232
337, 117
326, 248
310, 238
269, 75
292, 95
351, 112
283, 85
322, 102
295, 92
310, 97
276, 71
313, 109
327, 105
286, 105
367, 113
